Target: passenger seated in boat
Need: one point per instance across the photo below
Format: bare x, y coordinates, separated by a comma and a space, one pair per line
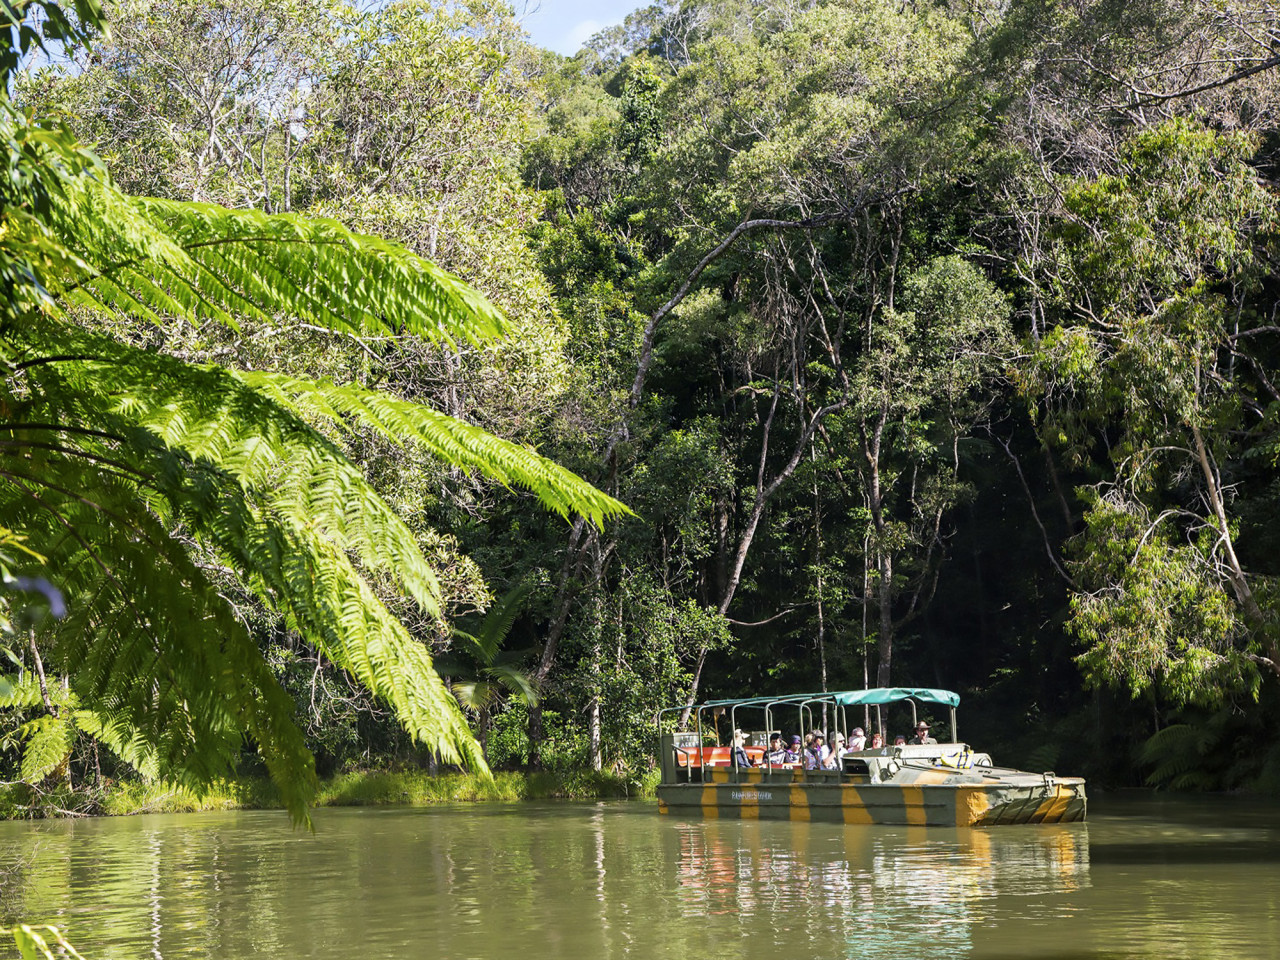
922, 734
857, 740
795, 749
877, 741
813, 759
899, 741
738, 756
777, 754
832, 760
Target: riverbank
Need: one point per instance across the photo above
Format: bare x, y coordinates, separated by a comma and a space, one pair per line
412, 788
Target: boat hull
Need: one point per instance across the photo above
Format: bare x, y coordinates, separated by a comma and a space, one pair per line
908, 804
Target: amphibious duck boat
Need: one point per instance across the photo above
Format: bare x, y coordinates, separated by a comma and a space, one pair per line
928, 784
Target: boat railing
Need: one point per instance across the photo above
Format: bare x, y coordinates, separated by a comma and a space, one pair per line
702, 749
684, 761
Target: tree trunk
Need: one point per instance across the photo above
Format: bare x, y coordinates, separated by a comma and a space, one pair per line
1235, 571
884, 554
536, 735
569, 570
885, 647
597, 761
764, 493
817, 566
39, 668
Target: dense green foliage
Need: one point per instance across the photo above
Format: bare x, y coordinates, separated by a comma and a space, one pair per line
928, 343
146, 487
356, 788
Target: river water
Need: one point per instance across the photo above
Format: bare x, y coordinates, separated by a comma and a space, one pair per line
1143, 878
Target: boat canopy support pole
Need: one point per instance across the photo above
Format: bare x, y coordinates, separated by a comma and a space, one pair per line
702, 750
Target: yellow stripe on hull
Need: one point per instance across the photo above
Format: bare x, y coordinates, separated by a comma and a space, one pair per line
710, 804
799, 805
855, 810
913, 806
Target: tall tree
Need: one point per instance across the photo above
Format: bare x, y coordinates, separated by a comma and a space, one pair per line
1155, 353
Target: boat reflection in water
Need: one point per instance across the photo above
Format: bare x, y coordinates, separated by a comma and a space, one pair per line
882, 891
1168, 877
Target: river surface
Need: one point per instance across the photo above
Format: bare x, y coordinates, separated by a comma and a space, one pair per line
1143, 878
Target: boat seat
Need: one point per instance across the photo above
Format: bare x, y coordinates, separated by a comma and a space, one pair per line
714, 756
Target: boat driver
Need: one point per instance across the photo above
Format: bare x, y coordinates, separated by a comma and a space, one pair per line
922, 734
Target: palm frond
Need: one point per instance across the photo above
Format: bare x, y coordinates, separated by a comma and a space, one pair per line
474, 695
517, 681
500, 617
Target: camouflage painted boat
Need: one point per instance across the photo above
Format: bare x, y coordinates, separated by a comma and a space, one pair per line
942, 784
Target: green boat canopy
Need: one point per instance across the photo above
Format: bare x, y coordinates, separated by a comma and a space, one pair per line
847, 698
850, 698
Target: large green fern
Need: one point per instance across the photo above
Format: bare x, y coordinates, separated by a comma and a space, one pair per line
146, 482
1181, 754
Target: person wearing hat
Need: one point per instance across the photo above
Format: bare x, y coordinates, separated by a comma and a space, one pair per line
813, 753
857, 740
795, 749
832, 760
777, 752
922, 734
738, 757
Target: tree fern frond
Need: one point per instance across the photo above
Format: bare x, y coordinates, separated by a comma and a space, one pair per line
129, 470
128, 743
453, 440
155, 406
150, 257
1193, 779
129, 647
1176, 755
1176, 738
326, 600
22, 693
48, 744
291, 565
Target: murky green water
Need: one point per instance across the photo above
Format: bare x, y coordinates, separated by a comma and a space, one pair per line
1143, 878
